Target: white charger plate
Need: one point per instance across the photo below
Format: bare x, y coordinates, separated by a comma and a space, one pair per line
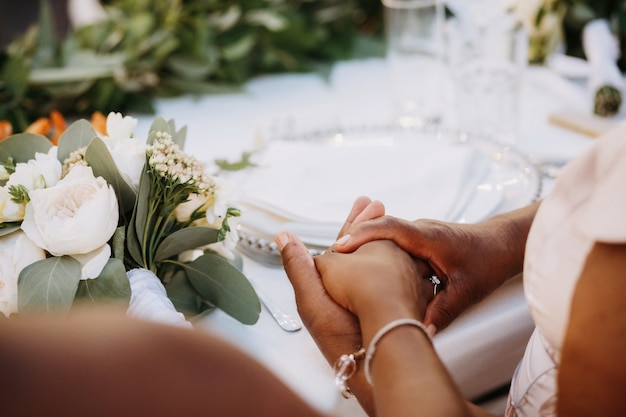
503, 180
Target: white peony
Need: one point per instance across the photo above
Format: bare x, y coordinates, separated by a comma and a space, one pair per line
41, 172
77, 217
16, 252
9, 210
128, 153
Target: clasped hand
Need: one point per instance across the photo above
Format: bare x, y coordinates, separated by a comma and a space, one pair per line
336, 291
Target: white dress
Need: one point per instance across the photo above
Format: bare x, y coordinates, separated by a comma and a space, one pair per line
586, 205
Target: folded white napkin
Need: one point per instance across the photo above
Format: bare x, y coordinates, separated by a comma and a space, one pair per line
602, 51
315, 184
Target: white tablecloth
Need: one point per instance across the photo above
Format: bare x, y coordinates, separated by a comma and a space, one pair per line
482, 348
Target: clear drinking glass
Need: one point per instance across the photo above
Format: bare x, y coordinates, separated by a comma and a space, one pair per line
486, 61
414, 54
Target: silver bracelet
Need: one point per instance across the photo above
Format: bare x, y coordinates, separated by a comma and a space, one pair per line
371, 350
344, 368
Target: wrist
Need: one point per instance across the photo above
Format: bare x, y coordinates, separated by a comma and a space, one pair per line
383, 332
374, 319
511, 232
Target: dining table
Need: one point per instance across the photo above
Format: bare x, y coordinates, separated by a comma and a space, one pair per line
483, 346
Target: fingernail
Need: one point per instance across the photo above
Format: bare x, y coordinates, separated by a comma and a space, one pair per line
431, 330
342, 240
281, 240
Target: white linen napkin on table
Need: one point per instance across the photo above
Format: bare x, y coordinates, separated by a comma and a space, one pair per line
314, 185
602, 51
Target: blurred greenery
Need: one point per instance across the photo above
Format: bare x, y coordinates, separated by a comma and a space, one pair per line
154, 48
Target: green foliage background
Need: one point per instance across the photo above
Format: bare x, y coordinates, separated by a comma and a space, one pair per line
150, 48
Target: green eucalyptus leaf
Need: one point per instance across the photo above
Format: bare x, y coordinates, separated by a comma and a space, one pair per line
238, 48
118, 242
23, 146
49, 284
269, 19
142, 25
151, 137
103, 165
224, 286
166, 47
236, 261
172, 124
185, 239
109, 64
70, 76
223, 20
111, 285
84, 58
160, 125
136, 228
190, 67
77, 135
8, 228
180, 137
70, 89
46, 40
14, 76
183, 295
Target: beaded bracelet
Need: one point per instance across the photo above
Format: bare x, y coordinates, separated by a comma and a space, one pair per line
346, 365
371, 350
344, 368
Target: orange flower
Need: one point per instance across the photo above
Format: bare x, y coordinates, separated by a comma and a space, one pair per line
99, 122
51, 127
40, 126
6, 129
59, 126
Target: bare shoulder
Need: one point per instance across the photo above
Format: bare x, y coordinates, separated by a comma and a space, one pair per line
593, 367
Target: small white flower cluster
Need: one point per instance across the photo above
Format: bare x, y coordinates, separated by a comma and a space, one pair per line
76, 158
167, 159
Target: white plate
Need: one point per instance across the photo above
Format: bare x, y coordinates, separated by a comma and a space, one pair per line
313, 201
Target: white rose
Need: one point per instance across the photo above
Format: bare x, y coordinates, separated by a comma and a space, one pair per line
17, 251
129, 154
9, 210
77, 217
195, 202
42, 172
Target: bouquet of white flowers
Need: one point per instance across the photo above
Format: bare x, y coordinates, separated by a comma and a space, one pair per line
75, 218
